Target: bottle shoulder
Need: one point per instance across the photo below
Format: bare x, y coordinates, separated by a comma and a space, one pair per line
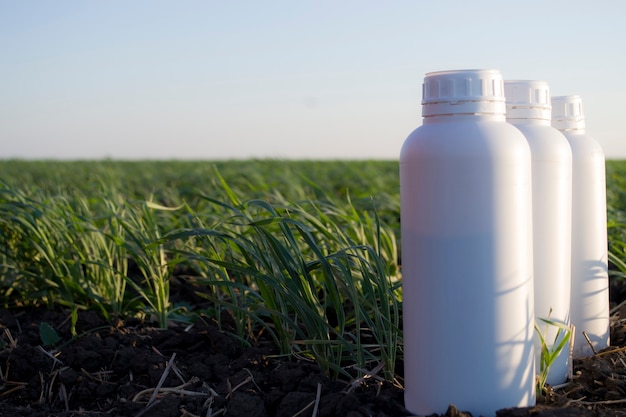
484, 138
584, 146
546, 140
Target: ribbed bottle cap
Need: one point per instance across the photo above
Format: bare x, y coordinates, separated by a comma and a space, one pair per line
463, 92
567, 113
527, 99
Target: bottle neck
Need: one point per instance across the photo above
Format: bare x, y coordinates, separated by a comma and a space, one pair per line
534, 122
464, 117
573, 130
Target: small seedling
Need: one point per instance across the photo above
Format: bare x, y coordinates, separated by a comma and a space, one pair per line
549, 353
47, 334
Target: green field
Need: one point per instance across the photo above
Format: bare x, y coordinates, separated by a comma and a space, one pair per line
306, 252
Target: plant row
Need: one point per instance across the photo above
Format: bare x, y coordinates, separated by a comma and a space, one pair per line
319, 277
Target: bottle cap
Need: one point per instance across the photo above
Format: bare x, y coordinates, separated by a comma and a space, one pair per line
526, 99
463, 92
567, 113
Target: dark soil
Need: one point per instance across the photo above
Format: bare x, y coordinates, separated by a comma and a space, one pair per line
114, 370
132, 369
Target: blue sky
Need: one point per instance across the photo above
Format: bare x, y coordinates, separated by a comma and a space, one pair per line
137, 79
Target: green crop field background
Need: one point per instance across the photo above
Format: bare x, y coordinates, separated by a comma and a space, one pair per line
304, 252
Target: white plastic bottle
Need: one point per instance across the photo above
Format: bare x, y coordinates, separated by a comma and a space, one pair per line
465, 191
529, 109
590, 283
